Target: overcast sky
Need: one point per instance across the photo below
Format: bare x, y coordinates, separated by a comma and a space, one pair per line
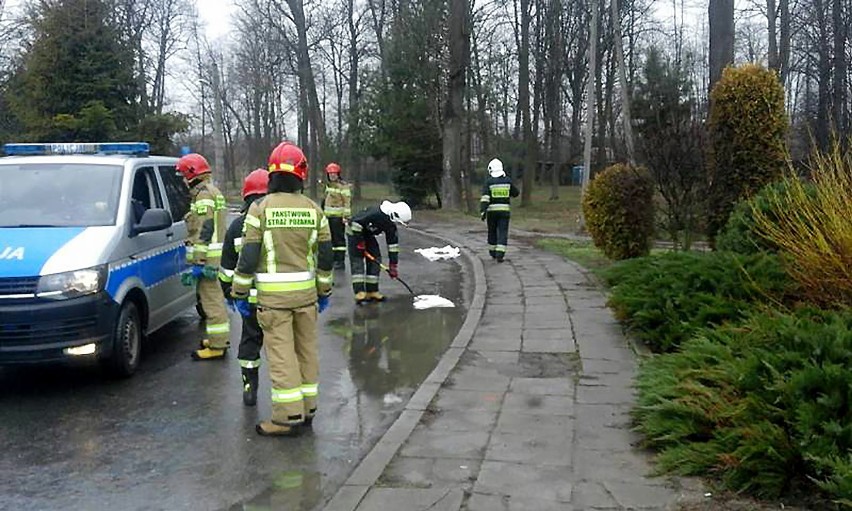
215, 13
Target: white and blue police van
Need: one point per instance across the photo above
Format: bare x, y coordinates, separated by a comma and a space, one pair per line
91, 251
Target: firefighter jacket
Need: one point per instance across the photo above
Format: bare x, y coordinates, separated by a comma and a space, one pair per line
496, 193
286, 252
205, 223
338, 199
372, 222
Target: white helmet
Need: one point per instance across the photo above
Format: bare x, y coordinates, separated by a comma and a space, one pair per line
495, 168
399, 212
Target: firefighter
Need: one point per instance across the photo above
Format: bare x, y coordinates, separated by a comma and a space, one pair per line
495, 208
205, 224
251, 338
287, 255
364, 254
337, 206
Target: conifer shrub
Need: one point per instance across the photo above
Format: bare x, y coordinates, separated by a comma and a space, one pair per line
619, 211
765, 406
739, 234
748, 124
663, 300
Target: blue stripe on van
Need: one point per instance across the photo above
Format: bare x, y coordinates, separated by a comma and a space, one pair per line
152, 270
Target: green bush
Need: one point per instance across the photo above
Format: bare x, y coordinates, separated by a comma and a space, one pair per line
663, 300
748, 125
765, 406
619, 211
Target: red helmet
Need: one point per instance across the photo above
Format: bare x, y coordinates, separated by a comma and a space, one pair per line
287, 157
332, 168
192, 165
256, 183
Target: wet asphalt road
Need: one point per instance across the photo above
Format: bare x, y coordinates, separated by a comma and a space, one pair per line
176, 435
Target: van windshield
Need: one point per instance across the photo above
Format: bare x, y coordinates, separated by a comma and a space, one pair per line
58, 195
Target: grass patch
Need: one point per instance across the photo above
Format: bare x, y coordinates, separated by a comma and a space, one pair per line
561, 216
583, 253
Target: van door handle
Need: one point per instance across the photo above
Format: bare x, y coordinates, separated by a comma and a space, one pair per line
170, 234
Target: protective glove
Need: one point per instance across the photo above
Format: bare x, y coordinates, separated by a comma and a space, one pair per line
483, 215
362, 247
210, 272
393, 270
187, 279
243, 307
322, 303
197, 271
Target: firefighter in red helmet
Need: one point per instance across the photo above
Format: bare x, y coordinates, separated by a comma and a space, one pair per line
287, 256
251, 339
337, 206
205, 223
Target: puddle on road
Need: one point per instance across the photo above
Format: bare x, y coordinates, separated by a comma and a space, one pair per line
292, 490
391, 347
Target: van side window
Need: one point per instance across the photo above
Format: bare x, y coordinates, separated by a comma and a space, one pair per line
176, 191
145, 193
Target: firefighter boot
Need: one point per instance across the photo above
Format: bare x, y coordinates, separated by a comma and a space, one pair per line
269, 428
205, 343
209, 354
250, 383
309, 417
375, 296
360, 297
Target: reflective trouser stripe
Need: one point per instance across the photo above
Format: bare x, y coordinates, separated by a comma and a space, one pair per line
325, 280
341, 248
287, 395
242, 280
492, 247
500, 248
226, 276
393, 248
358, 278
250, 364
220, 328
371, 279
310, 389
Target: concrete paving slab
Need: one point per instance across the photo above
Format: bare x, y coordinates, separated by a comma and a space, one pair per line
436, 499
523, 481
470, 380
426, 442
594, 395
347, 498
536, 450
593, 495
557, 426
482, 502
548, 333
536, 404
494, 343
468, 400
431, 472
610, 465
641, 495
460, 420
536, 345
543, 386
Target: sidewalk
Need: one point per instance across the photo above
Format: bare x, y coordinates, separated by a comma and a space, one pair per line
528, 408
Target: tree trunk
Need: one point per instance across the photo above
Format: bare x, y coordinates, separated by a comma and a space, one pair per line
625, 92
784, 43
721, 13
451, 181
353, 134
839, 94
524, 104
772, 25
590, 105
554, 95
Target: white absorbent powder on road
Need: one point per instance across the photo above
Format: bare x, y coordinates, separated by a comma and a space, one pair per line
431, 301
436, 254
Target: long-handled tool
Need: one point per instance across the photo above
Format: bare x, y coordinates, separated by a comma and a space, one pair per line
385, 268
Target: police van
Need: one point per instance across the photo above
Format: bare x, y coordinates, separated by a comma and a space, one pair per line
91, 251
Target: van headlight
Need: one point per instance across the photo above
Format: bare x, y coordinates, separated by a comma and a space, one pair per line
72, 284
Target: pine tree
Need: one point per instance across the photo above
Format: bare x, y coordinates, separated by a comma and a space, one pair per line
76, 81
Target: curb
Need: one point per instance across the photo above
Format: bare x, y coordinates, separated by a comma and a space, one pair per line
368, 471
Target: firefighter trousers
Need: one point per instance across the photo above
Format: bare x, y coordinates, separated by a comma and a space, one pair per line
213, 302
290, 341
365, 273
338, 238
498, 233
251, 340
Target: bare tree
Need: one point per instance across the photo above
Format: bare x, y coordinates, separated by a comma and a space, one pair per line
721, 15
454, 114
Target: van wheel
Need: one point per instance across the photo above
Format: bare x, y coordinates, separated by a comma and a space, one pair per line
127, 344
